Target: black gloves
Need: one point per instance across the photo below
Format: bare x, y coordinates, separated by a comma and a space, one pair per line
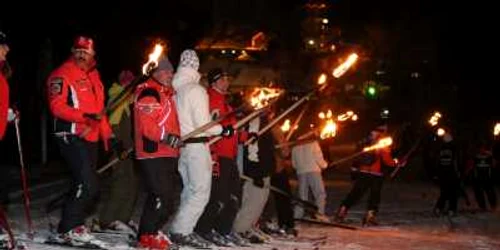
259, 182
253, 137
94, 117
118, 148
227, 131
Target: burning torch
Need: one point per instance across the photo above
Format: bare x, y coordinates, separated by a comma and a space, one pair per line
382, 143
147, 69
337, 73
259, 99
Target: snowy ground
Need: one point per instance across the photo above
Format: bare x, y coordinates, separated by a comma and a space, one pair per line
405, 214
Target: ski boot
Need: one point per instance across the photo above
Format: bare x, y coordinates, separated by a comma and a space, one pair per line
237, 239
191, 240
340, 215
156, 241
217, 239
370, 219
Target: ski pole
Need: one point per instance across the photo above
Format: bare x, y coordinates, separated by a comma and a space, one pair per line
24, 181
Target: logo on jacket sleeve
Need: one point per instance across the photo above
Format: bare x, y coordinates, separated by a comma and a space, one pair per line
56, 86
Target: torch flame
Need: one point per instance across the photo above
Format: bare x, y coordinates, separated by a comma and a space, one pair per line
261, 97
382, 143
153, 59
341, 69
441, 132
496, 130
329, 130
286, 126
348, 115
322, 79
435, 119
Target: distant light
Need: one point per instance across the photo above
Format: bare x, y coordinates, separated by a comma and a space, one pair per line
379, 72
332, 48
233, 51
325, 21
372, 91
415, 75
223, 51
311, 42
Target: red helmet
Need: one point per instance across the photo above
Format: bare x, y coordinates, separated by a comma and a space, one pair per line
85, 44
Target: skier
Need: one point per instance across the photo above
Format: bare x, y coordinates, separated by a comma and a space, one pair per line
308, 161
482, 166
7, 115
259, 164
369, 176
195, 163
448, 176
217, 220
76, 101
117, 209
157, 138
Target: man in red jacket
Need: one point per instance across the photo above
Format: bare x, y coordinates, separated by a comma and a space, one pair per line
76, 101
6, 115
369, 177
157, 138
217, 220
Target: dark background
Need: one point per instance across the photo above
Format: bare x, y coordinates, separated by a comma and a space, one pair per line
455, 38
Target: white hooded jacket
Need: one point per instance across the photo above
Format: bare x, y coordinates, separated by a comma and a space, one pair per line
308, 158
192, 102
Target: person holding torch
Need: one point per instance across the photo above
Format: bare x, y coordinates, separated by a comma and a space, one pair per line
369, 175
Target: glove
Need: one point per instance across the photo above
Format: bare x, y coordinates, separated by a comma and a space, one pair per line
117, 147
259, 182
12, 115
173, 141
253, 137
216, 169
227, 131
92, 117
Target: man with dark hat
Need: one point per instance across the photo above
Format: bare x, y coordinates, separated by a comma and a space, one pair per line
216, 222
157, 141
76, 101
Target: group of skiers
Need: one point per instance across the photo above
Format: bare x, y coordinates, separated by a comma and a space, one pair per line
193, 187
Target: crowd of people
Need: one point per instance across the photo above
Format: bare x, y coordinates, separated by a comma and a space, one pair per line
194, 189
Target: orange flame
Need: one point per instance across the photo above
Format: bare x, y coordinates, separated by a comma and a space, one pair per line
341, 69
153, 60
261, 97
329, 130
346, 116
496, 130
382, 143
286, 126
330, 127
322, 79
435, 119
